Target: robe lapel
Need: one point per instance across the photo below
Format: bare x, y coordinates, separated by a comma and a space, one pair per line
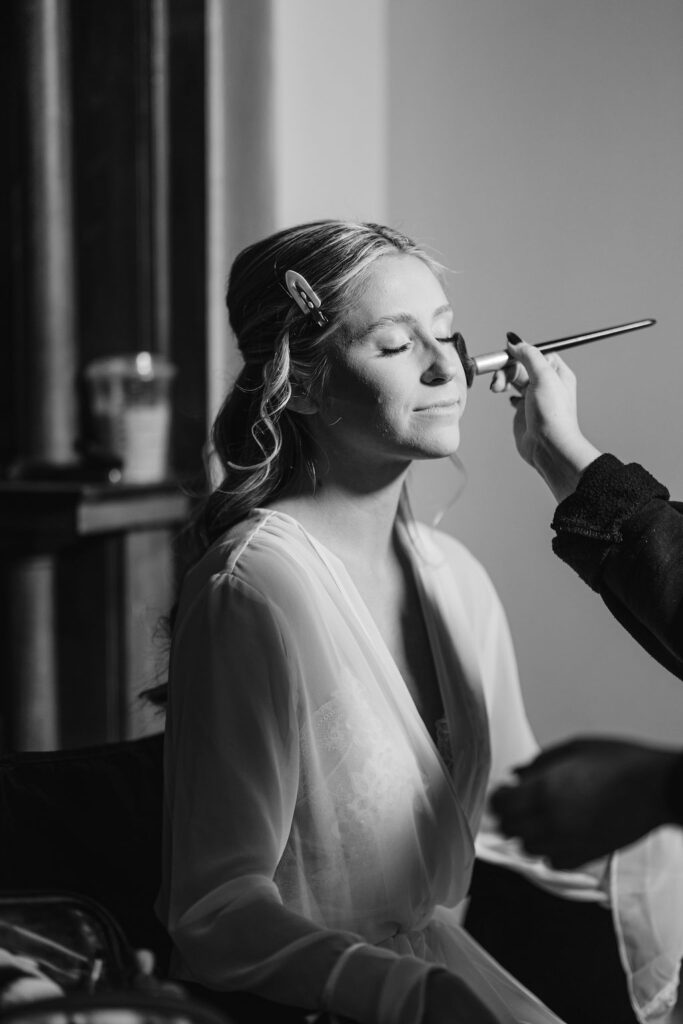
458, 673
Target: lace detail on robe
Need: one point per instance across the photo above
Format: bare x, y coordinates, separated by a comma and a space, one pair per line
360, 783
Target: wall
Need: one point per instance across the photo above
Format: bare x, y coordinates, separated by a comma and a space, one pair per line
330, 73
537, 146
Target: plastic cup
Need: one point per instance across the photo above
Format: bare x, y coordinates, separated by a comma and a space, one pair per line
130, 412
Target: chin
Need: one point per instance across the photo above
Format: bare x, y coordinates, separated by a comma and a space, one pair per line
433, 452
439, 447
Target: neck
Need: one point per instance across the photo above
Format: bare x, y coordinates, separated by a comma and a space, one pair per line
354, 517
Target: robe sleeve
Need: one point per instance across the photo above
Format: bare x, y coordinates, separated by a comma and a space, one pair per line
232, 766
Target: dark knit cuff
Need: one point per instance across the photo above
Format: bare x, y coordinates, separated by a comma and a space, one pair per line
608, 493
674, 792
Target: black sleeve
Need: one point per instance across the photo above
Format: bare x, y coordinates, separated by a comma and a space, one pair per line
624, 537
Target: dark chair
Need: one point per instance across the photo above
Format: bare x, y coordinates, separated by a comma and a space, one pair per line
89, 821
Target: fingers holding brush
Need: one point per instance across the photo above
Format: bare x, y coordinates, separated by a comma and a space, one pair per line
546, 382
546, 427
514, 374
526, 363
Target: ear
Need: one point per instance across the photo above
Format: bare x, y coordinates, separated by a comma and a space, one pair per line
302, 403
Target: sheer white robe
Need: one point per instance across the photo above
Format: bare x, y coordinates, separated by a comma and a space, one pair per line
317, 841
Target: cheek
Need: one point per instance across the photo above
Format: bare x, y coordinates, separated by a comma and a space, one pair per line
355, 390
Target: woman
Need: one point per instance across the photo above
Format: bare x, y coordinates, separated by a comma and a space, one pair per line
342, 682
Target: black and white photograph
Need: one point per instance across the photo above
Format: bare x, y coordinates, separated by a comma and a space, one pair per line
341, 507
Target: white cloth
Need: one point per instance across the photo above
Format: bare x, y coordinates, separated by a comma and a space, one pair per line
317, 844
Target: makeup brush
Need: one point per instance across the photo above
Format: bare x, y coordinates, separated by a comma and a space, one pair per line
492, 361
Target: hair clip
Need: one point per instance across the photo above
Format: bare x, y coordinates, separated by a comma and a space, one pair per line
304, 296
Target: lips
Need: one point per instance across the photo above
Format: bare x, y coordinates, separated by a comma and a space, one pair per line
445, 406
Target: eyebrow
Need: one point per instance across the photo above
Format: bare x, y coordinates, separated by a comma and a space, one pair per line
399, 318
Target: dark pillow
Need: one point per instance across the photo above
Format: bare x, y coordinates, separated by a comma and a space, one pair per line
89, 821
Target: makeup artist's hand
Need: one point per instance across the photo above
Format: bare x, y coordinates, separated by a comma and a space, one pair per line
546, 428
585, 798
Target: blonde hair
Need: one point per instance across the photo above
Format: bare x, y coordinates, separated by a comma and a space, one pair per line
261, 444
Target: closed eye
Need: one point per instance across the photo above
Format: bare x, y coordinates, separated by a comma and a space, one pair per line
395, 351
450, 340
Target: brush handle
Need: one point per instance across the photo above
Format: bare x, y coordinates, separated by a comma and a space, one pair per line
492, 361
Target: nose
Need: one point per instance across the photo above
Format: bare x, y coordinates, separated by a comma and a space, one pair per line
443, 366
